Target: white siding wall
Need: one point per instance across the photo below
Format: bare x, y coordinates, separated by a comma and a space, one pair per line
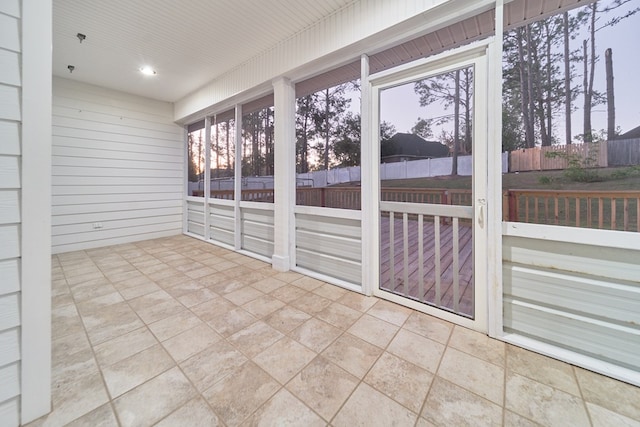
117, 168
10, 182
577, 289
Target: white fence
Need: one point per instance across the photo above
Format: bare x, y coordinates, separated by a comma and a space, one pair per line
401, 170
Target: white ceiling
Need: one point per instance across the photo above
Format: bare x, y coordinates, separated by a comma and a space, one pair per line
188, 42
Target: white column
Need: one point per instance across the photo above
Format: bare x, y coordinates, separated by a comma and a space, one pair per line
494, 184
284, 93
207, 176
36, 210
370, 183
185, 179
237, 181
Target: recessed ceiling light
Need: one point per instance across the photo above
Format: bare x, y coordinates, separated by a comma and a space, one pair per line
148, 71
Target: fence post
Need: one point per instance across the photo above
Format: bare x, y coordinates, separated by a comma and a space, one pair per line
322, 197
513, 206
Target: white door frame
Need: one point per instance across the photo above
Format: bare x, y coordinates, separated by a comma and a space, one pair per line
474, 54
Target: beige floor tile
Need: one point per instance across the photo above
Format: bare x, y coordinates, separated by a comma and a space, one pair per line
369, 407
307, 283
543, 404
339, 315
88, 306
190, 342
251, 277
288, 276
211, 309
126, 345
133, 371
284, 359
287, 319
373, 330
223, 284
76, 399
183, 288
352, 354
130, 289
609, 393
357, 301
173, 325
478, 345
476, 375
268, 284
102, 416
424, 423
239, 394
450, 405
323, 386
67, 345
197, 297
315, 334
400, 380
90, 289
429, 327
416, 349
111, 322
212, 364
238, 271
331, 292
70, 369
311, 303
288, 293
153, 400
602, 417
232, 321
195, 413
389, 312
200, 272
511, 419
253, 339
244, 295
263, 306
159, 311
542, 369
284, 409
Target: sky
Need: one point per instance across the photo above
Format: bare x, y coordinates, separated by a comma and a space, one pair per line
400, 105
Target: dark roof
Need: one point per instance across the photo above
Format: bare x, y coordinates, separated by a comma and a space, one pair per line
413, 145
632, 134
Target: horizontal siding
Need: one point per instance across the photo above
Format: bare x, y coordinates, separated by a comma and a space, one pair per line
330, 246
117, 166
222, 224
10, 211
257, 231
195, 217
583, 297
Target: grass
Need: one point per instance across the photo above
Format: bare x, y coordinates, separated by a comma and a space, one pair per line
527, 181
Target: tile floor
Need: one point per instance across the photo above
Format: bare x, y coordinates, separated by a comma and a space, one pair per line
178, 332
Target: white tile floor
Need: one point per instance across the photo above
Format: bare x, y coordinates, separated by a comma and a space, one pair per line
178, 332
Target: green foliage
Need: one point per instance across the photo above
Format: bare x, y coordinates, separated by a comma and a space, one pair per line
629, 172
545, 180
579, 168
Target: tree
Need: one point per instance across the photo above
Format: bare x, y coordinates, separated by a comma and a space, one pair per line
334, 104
306, 111
611, 109
422, 128
346, 148
452, 89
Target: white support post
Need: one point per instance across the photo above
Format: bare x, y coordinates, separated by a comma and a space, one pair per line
494, 187
369, 184
207, 175
185, 179
284, 93
35, 376
237, 181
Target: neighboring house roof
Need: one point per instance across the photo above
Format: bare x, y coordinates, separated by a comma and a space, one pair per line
409, 144
632, 134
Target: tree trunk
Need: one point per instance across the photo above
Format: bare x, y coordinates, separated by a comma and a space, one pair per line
532, 119
549, 89
524, 99
326, 136
567, 80
217, 151
611, 107
228, 150
467, 112
456, 124
537, 96
586, 131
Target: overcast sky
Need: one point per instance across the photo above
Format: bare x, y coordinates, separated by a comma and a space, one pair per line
400, 105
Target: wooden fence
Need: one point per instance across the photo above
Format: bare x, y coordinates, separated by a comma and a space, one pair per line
536, 159
613, 210
625, 152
